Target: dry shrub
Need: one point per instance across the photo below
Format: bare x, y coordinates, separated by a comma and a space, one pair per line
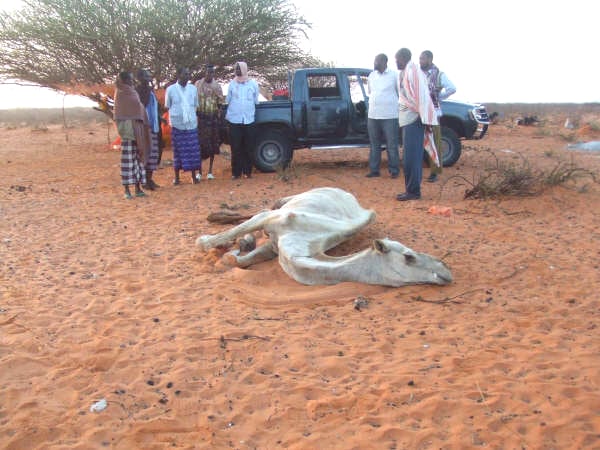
502, 178
569, 136
594, 125
287, 173
567, 172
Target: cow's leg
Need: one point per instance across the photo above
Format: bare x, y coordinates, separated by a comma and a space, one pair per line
257, 222
263, 253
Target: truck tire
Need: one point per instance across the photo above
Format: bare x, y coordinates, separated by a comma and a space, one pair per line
451, 147
273, 150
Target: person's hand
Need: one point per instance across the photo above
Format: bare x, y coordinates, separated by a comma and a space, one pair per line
429, 128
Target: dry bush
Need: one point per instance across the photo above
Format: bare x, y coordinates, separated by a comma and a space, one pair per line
568, 136
594, 125
567, 172
287, 173
502, 178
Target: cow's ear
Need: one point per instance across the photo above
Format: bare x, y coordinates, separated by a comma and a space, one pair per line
380, 246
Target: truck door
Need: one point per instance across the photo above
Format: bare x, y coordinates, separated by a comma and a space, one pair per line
327, 110
359, 102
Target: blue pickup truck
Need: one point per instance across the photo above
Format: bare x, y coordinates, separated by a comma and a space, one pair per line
327, 108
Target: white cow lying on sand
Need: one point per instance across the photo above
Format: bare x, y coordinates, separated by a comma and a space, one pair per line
301, 228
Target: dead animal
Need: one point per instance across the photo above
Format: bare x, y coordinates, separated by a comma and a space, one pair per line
306, 225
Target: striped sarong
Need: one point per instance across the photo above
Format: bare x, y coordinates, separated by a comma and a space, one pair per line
132, 171
208, 132
152, 161
186, 149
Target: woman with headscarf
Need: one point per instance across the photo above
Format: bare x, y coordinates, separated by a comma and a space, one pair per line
132, 125
242, 97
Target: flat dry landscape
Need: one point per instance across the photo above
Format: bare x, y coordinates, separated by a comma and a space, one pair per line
106, 298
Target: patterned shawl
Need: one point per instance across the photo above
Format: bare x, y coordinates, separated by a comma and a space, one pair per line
129, 107
433, 75
415, 99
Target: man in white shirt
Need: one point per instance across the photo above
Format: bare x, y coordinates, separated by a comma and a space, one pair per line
383, 117
182, 102
440, 88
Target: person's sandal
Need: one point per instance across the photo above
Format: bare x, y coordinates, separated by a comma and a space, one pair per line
140, 194
176, 182
127, 196
210, 176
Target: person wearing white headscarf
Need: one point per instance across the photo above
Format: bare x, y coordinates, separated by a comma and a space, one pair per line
242, 97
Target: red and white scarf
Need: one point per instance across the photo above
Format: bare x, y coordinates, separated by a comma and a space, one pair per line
415, 101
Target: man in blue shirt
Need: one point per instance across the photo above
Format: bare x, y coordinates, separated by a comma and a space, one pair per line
182, 102
242, 97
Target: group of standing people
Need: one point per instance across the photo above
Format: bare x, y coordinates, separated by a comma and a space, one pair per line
194, 111
409, 99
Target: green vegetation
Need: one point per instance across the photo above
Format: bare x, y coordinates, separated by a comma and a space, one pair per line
68, 44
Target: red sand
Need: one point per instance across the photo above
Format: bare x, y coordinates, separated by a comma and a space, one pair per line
101, 297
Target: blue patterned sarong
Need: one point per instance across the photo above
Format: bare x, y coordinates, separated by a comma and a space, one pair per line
186, 149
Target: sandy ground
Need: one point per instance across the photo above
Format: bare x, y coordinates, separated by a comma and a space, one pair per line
102, 297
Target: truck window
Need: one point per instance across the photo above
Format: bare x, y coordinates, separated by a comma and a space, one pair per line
358, 88
323, 86
358, 94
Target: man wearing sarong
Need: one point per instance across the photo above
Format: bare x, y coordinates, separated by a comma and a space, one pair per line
440, 88
145, 90
416, 117
242, 97
210, 97
132, 125
182, 101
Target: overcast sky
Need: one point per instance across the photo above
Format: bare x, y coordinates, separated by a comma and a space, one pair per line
493, 51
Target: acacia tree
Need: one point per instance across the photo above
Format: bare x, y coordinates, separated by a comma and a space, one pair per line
80, 45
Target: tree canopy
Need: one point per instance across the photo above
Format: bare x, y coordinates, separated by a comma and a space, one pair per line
73, 43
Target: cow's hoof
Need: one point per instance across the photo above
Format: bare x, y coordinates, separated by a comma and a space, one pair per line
204, 242
231, 258
247, 243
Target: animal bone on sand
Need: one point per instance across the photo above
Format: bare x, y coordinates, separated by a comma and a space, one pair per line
306, 225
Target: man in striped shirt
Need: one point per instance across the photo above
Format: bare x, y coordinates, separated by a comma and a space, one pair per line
416, 117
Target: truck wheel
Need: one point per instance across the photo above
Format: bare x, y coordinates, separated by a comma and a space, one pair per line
451, 147
273, 151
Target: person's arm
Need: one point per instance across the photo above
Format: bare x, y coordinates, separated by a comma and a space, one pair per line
447, 87
196, 101
256, 92
219, 92
229, 89
167, 100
